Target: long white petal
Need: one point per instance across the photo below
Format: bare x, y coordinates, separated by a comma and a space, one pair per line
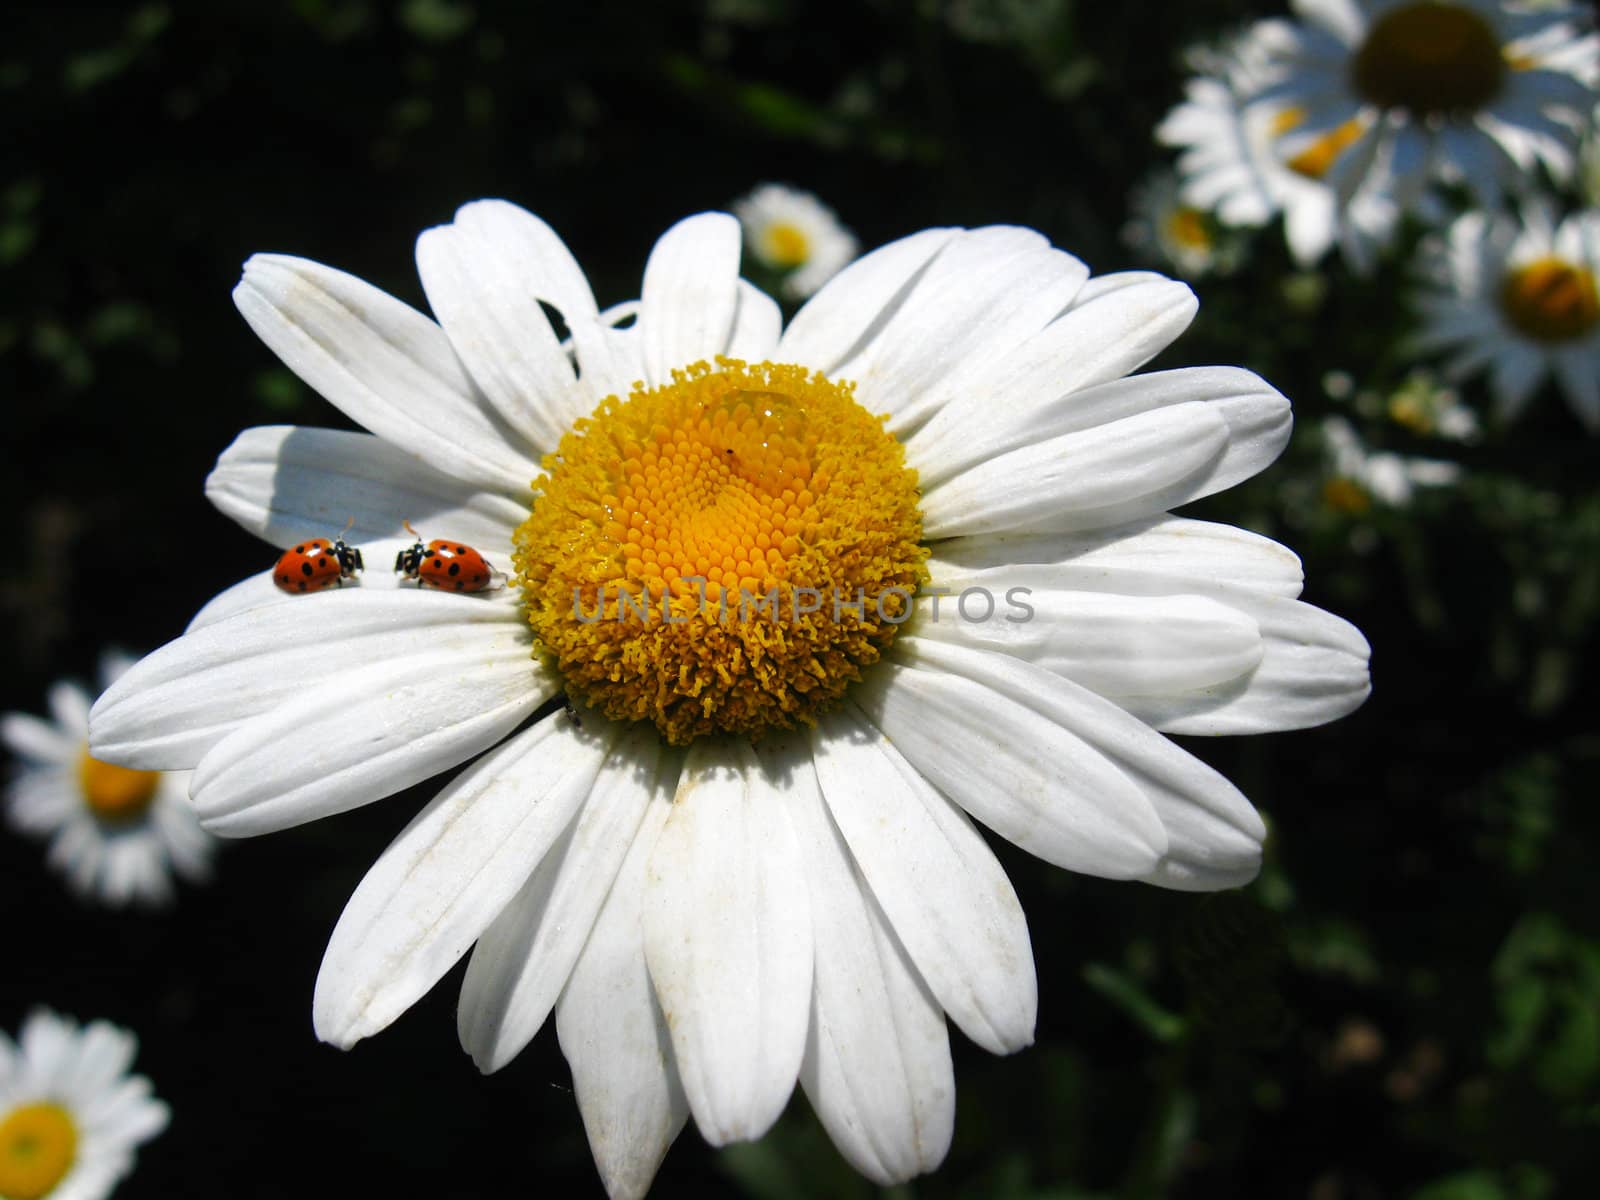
1175, 547
388, 367
690, 294
1202, 818
178, 702
361, 737
523, 959
287, 483
727, 931
614, 1036
1040, 782
449, 873
485, 276
877, 1066
1114, 473
938, 883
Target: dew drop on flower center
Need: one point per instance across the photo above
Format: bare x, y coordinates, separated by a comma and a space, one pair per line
1432, 59
38, 1144
724, 553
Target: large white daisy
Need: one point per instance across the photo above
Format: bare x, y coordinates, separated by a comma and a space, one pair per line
70, 1114
116, 834
711, 915
1519, 297
1462, 91
1240, 161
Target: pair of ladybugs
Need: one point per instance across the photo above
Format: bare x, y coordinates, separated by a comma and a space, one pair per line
449, 566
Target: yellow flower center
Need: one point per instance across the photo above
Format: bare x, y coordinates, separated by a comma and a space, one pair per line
38, 1143
1315, 159
115, 794
786, 245
724, 553
1551, 300
1430, 59
1346, 496
1187, 227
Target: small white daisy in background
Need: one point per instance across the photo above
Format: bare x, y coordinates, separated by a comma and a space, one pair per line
1358, 476
792, 233
747, 856
1171, 233
1589, 163
70, 1114
1477, 92
1237, 162
117, 835
1517, 297
1430, 408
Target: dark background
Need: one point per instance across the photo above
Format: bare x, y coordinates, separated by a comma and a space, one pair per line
1406, 1004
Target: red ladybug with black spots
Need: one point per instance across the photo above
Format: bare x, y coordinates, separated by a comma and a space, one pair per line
448, 566
316, 564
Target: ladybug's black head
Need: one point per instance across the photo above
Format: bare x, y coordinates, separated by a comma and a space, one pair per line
409, 561
349, 557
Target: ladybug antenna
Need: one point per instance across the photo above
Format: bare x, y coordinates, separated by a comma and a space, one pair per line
348, 526
411, 531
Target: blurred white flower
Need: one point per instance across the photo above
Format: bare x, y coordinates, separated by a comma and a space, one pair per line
1429, 408
1517, 296
1458, 91
1172, 233
793, 232
1358, 475
1243, 159
70, 1114
116, 834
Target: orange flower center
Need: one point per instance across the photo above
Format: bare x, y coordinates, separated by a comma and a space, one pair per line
1431, 59
724, 553
115, 794
38, 1145
1551, 300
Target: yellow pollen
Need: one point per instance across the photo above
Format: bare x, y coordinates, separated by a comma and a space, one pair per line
1429, 58
38, 1143
1407, 410
723, 553
1551, 300
115, 794
1187, 227
1315, 159
786, 245
1346, 496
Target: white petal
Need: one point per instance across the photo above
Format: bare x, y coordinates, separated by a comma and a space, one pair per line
180, 701
877, 1065
851, 307
615, 1038
1176, 547
523, 959
1012, 762
1202, 818
485, 276
1313, 665
1112, 645
1135, 467
727, 934
37, 741
362, 737
1038, 392
286, 483
449, 873
757, 324
385, 365
690, 294
940, 886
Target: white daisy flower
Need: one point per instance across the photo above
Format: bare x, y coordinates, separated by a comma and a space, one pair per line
117, 834
1171, 232
1430, 409
1239, 161
70, 1114
1460, 91
708, 919
1518, 297
1359, 475
792, 232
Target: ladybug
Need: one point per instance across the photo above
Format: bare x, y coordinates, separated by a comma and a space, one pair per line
449, 566
316, 564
